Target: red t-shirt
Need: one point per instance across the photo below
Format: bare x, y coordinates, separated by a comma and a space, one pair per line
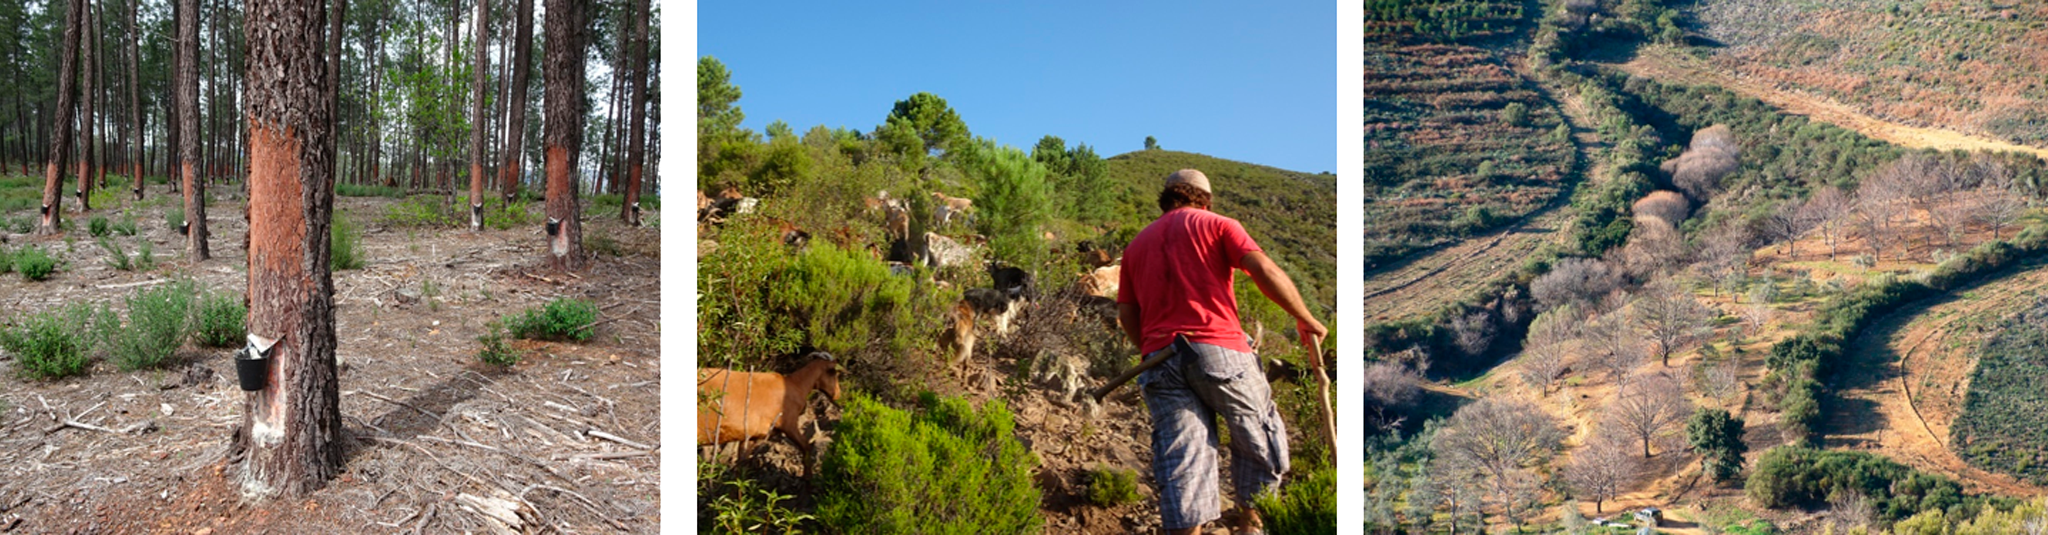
1178, 271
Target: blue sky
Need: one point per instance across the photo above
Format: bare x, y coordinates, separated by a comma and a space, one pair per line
1248, 81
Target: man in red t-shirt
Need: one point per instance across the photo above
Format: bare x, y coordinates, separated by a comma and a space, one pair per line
1176, 281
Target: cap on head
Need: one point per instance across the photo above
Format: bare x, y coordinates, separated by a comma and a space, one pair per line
1190, 177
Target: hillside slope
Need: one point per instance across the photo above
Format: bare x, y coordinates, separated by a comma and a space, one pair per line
1293, 215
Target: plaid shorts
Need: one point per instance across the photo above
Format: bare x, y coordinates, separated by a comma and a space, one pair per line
1186, 394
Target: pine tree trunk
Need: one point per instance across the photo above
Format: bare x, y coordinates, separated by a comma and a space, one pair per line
60, 138
193, 185
563, 139
515, 125
636, 154
174, 125
134, 102
480, 123
87, 122
291, 429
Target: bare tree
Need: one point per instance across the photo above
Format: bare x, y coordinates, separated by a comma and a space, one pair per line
1613, 345
1548, 346
1718, 378
290, 440
1601, 470
1499, 440
1881, 206
1648, 405
1786, 223
1668, 206
1390, 385
1713, 154
1828, 210
1851, 509
1671, 317
1473, 333
1579, 281
1995, 204
1725, 254
1654, 247
1757, 311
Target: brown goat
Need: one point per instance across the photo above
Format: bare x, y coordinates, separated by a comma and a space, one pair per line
739, 406
960, 336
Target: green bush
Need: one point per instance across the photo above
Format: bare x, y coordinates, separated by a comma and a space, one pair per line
560, 319
946, 468
34, 263
99, 227
158, 321
6, 261
495, 351
420, 211
126, 226
506, 217
1304, 506
145, 256
842, 300
50, 344
1109, 487
174, 217
1788, 476
345, 244
220, 321
117, 258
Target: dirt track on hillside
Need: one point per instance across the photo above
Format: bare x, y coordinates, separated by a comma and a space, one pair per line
1669, 65
1912, 370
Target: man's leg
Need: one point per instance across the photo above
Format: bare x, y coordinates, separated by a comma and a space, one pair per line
1258, 438
1183, 451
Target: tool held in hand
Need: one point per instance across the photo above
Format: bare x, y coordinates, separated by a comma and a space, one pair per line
1180, 343
1316, 361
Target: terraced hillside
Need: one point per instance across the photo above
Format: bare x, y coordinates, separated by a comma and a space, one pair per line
1974, 67
2006, 409
1457, 144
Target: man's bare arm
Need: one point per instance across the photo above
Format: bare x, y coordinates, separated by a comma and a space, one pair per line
1274, 282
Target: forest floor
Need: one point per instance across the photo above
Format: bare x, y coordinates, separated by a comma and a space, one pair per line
1669, 65
570, 435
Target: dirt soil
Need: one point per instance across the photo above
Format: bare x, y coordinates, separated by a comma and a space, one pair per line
1669, 65
571, 434
1912, 370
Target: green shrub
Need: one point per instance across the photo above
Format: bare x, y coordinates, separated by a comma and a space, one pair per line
220, 321
117, 258
947, 468
366, 190
1788, 476
145, 256
104, 198
420, 211
842, 300
560, 319
345, 244
158, 320
1013, 204
34, 263
1109, 487
99, 227
506, 217
495, 351
50, 344
736, 505
6, 261
20, 225
1306, 505
126, 226
174, 217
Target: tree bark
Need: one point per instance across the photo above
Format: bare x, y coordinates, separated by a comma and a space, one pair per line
60, 131
134, 102
334, 34
292, 427
636, 154
480, 123
174, 125
564, 137
87, 120
515, 125
193, 185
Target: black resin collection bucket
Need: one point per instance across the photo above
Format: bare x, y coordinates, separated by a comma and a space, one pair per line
253, 372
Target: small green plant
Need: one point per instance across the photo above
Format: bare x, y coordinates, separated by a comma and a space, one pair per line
741, 507
34, 263
345, 245
949, 467
104, 198
506, 217
99, 227
6, 261
50, 344
20, 225
603, 244
365, 190
1109, 487
117, 258
421, 211
560, 319
174, 218
145, 256
495, 351
220, 320
1306, 505
126, 226
158, 320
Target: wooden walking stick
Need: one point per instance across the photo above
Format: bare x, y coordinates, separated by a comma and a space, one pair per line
1315, 360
